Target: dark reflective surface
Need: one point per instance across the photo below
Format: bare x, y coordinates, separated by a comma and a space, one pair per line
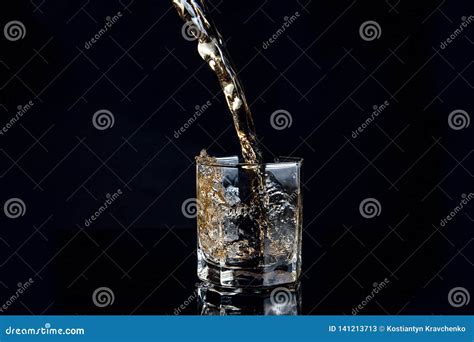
154, 273
321, 71
214, 301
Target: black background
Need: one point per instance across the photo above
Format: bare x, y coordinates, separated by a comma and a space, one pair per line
320, 70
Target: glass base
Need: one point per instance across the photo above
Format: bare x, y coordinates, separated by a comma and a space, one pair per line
255, 277
213, 300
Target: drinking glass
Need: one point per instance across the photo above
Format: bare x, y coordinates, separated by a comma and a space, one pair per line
249, 222
215, 301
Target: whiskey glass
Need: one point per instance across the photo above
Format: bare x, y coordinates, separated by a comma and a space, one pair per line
249, 222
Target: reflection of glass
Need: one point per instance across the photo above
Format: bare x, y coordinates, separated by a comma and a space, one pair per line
214, 301
244, 241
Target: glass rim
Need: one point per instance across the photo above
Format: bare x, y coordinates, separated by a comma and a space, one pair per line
279, 161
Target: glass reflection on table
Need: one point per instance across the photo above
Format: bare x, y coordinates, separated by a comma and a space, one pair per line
218, 301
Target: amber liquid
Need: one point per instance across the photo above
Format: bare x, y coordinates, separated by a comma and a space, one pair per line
211, 48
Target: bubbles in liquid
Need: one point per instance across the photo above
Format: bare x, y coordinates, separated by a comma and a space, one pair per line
231, 194
253, 219
228, 228
211, 48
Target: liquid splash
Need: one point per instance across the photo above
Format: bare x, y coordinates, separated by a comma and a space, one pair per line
252, 191
212, 49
